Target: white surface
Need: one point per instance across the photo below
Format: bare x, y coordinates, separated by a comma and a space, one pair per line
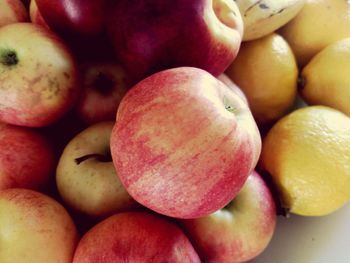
310, 239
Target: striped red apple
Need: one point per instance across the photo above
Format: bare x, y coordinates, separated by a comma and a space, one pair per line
184, 143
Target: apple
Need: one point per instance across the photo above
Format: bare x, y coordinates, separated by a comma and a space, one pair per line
240, 231
72, 17
104, 84
62, 131
39, 78
83, 45
12, 11
150, 36
26, 3
135, 237
27, 159
229, 83
35, 15
34, 228
85, 175
184, 143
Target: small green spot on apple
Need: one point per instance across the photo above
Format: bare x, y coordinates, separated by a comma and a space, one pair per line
8, 58
229, 107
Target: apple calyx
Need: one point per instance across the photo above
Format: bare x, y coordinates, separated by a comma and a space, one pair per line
8, 58
229, 107
100, 157
103, 83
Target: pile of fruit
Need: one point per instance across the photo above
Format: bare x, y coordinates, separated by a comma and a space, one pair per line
168, 131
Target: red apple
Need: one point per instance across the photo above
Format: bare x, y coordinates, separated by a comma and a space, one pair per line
12, 11
86, 178
39, 78
26, 3
34, 228
135, 237
35, 15
71, 17
84, 46
184, 143
149, 36
27, 159
104, 84
229, 83
240, 231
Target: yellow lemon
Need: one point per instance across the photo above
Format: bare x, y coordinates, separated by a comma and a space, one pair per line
318, 24
307, 154
266, 71
326, 79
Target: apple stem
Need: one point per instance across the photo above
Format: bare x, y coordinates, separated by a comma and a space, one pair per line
100, 157
9, 58
301, 82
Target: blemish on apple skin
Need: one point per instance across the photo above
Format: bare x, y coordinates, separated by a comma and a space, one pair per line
54, 86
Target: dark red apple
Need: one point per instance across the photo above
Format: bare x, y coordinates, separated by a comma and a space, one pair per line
153, 35
83, 17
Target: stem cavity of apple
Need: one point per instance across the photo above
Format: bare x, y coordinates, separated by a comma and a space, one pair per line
100, 157
8, 58
225, 13
103, 83
301, 82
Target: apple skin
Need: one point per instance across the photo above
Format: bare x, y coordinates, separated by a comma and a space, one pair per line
35, 15
39, 82
71, 17
229, 83
12, 11
83, 46
184, 143
35, 228
92, 186
104, 84
27, 160
26, 3
135, 237
149, 36
238, 232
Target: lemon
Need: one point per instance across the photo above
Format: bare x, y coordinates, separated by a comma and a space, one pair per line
327, 78
318, 24
307, 154
266, 71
